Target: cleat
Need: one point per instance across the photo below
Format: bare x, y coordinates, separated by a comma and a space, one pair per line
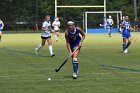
125, 51
52, 55
36, 51
74, 76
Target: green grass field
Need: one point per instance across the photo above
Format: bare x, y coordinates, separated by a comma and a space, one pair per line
103, 68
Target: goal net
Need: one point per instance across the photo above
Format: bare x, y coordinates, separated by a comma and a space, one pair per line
95, 21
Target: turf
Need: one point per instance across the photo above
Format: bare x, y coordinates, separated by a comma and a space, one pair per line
103, 68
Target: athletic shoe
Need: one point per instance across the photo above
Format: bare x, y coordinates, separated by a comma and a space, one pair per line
125, 51
52, 55
74, 76
36, 51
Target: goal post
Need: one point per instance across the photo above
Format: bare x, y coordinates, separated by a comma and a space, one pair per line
80, 6
85, 20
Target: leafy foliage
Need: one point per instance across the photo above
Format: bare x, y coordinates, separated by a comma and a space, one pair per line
30, 10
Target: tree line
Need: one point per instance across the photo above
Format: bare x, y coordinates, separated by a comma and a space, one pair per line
35, 10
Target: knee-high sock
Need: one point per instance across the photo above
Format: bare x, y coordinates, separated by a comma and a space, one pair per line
39, 47
56, 38
109, 33
128, 44
124, 46
51, 49
75, 65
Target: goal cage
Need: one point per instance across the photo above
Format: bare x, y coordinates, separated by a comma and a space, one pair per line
92, 21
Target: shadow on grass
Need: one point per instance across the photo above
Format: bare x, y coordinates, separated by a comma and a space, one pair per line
23, 52
121, 68
68, 76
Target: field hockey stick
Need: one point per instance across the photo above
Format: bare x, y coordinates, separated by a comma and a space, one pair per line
133, 39
57, 69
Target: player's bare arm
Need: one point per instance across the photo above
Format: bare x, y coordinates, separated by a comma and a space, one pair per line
82, 34
67, 42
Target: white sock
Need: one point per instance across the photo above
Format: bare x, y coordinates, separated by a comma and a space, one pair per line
55, 37
51, 49
39, 47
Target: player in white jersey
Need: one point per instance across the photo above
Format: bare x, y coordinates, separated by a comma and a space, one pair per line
110, 22
1, 27
56, 25
46, 35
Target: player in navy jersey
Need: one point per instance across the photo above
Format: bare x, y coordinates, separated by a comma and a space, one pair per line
1, 27
126, 34
110, 22
74, 38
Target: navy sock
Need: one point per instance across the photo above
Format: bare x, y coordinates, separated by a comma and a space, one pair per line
124, 46
75, 67
128, 44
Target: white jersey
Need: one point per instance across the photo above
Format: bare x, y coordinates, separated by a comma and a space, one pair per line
109, 21
1, 24
47, 26
56, 25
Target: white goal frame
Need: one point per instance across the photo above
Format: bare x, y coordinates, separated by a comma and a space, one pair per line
99, 12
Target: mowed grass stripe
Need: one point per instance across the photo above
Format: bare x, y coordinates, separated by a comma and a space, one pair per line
21, 71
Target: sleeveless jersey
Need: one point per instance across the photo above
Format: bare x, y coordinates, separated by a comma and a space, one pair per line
0, 25
109, 22
56, 25
47, 27
126, 30
74, 38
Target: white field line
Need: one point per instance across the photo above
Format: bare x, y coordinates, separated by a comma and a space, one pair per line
2, 76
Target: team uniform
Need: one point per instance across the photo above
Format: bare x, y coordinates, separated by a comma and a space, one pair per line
74, 38
126, 35
109, 25
126, 30
0, 26
56, 25
46, 34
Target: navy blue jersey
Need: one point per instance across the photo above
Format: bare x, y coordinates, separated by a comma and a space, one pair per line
126, 26
74, 38
126, 30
